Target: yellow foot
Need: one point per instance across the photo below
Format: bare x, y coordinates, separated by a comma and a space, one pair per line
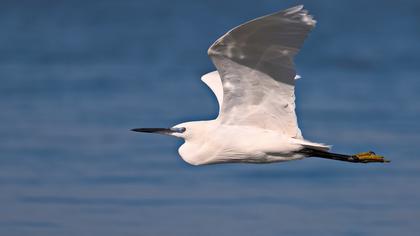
370, 156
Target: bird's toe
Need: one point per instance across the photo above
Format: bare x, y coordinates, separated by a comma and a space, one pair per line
366, 157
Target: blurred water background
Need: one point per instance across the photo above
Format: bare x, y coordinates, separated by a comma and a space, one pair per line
76, 75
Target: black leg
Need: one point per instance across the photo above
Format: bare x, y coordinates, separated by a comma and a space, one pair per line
358, 158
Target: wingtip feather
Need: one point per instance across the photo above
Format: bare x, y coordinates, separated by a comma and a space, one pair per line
293, 10
298, 12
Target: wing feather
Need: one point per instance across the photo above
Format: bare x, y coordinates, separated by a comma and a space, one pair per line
213, 81
255, 63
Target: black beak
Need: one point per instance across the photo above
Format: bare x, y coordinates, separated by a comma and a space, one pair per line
159, 130
153, 130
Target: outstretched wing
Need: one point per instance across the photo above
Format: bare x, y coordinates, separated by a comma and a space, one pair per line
255, 62
214, 82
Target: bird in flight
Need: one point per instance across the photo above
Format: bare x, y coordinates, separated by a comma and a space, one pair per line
254, 86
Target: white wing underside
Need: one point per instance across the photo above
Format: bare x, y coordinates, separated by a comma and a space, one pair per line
214, 82
257, 75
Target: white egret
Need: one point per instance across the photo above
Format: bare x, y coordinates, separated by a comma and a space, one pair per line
254, 85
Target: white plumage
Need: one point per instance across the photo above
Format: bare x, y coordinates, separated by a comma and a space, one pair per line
257, 120
254, 86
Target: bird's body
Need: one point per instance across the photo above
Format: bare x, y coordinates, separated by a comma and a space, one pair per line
218, 143
254, 86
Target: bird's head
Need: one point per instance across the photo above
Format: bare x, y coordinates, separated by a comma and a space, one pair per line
183, 130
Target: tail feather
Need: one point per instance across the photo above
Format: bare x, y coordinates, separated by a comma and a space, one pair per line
312, 145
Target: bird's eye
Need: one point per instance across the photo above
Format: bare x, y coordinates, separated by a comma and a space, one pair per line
178, 129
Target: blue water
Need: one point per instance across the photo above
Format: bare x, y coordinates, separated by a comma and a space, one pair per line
76, 75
